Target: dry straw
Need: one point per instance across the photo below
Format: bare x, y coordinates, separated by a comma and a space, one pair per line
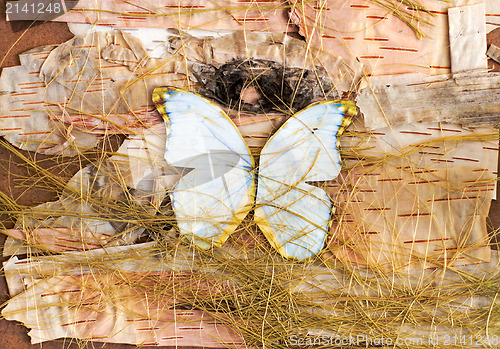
271, 302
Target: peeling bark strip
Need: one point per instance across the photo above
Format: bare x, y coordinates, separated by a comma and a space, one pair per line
95, 205
283, 49
185, 15
417, 222
467, 38
122, 308
59, 239
387, 45
494, 53
414, 198
330, 291
101, 83
472, 100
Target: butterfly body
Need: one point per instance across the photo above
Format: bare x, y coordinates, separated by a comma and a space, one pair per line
218, 192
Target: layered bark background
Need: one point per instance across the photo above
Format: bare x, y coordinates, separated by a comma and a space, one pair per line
15, 38
21, 36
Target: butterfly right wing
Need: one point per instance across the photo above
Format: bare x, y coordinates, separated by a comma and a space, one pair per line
293, 214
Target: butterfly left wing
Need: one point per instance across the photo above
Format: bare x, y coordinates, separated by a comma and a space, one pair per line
293, 214
218, 190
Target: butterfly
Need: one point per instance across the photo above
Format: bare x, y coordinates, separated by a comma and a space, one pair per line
222, 184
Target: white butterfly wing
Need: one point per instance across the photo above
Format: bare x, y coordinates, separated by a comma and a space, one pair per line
293, 214
218, 190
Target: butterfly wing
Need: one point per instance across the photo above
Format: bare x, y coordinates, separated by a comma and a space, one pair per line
218, 190
293, 214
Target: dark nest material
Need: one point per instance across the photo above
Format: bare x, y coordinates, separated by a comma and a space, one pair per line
262, 86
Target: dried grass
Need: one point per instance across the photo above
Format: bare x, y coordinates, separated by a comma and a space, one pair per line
268, 300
